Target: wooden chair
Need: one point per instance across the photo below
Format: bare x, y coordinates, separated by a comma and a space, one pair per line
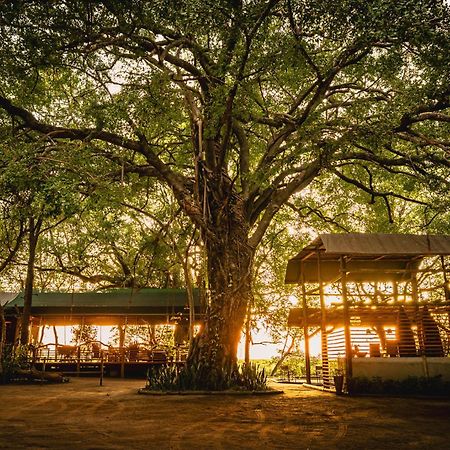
95, 351
133, 352
67, 351
392, 348
113, 354
159, 356
374, 350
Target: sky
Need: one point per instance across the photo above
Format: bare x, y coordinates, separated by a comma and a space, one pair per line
268, 351
104, 335
258, 351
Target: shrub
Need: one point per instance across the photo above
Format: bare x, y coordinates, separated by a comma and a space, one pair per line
433, 386
246, 377
13, 359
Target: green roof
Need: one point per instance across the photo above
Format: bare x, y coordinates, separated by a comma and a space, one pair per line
144, 301
6, 297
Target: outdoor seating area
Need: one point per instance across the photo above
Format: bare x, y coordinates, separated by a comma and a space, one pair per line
132, 353
381, 304
121, 310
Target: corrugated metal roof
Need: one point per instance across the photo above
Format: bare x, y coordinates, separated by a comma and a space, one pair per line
6, 297
385, 244
121, 298
388, 256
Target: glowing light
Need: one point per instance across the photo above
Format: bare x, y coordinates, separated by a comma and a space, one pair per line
331, 300
315, 345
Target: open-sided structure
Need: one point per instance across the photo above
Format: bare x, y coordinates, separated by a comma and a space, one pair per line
121, 308
381, 303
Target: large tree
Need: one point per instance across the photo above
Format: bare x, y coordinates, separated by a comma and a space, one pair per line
39, 196
238, 107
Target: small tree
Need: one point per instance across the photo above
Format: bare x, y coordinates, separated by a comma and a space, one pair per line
83, 334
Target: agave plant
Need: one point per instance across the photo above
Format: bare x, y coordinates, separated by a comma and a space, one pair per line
247, 377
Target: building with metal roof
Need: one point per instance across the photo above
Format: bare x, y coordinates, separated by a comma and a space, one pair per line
6, 297
121, 308
373, 296
114, 307
370, 257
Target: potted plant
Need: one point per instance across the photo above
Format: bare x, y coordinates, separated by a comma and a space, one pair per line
338, 377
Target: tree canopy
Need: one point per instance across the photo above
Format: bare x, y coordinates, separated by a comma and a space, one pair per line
240, 109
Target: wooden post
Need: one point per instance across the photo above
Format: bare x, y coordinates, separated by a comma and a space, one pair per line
17, 327
305, 327
347, 333
41, 336
446, 280
101, 367
55, 334
420, 330
2, 335
396, 295
34, 334
121, 349
78, 360
415, 298
446, 290
323, 326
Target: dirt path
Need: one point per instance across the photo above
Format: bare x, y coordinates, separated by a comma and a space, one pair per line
82, 415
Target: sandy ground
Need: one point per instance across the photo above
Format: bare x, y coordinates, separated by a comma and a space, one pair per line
83, 415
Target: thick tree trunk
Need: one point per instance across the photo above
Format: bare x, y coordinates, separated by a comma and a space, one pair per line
2, 337
213, 353
34, 230
248, 333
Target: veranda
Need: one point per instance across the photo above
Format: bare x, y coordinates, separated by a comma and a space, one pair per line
380, 302
121, 309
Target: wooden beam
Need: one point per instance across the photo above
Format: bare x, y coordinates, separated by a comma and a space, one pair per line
323, 327
122, 330
347, 333
305, 330
446, 280
415, 298
446, 291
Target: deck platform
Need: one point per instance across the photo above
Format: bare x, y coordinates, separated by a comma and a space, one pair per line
127, 369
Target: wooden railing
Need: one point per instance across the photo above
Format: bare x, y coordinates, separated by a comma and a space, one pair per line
96, 351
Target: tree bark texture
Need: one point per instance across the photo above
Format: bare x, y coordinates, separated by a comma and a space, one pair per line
2, 336
33, 236
229, 270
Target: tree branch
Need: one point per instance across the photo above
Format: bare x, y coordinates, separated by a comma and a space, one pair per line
180, 185
374, 193
281, 196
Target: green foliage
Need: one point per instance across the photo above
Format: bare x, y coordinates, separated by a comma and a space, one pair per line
295, 364
151, 336
124, 237
162, 378
433, 386
251, 377
246, 377
266, 364
83, 334
327, 118
13, 358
